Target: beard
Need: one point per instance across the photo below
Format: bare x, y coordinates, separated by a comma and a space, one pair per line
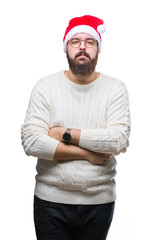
85, 68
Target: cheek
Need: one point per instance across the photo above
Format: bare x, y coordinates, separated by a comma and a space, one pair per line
93, 52
71, 51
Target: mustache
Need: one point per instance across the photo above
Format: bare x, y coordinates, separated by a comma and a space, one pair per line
80, 53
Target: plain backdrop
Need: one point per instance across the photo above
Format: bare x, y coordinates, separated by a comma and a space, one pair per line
31, 47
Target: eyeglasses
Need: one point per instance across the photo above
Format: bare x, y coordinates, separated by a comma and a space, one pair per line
76, 42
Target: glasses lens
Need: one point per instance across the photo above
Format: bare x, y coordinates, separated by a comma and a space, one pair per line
90, 43
75, 42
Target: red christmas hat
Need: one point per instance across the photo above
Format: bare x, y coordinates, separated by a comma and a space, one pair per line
85, 24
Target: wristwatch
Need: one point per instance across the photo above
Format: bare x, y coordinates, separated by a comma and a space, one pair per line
67, 136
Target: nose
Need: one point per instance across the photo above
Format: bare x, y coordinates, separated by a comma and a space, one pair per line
82, 44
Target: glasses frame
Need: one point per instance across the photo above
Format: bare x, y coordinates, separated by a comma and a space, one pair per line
82, 40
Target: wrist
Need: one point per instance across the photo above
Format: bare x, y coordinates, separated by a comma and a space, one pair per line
66, 137
75, 136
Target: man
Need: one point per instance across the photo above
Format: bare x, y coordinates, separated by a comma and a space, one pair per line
76, 122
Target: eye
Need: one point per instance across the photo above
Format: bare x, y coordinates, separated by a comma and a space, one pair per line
90, 42
75, 41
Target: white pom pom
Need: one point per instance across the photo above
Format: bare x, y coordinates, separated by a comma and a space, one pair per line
101, 28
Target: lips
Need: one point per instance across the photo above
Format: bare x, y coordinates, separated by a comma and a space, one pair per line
82, 55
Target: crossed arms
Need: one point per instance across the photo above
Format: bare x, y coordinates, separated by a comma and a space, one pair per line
73, 151
94, 145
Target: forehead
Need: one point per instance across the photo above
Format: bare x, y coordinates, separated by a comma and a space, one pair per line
82, 35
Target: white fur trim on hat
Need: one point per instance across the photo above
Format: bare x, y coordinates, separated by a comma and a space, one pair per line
82, 29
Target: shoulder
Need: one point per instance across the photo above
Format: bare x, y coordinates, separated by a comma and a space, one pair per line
114, 87
109, 80
112, 83
47, 83
49, 79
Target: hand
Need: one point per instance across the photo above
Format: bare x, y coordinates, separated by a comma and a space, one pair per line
57, 133
98, 158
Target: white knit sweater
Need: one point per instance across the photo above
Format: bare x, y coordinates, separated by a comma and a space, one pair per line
101, 110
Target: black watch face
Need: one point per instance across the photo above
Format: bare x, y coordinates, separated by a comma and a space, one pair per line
67, 137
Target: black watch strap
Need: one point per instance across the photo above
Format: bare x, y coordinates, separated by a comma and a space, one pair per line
67, 135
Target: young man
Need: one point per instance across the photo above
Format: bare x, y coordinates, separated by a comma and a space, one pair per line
76, 122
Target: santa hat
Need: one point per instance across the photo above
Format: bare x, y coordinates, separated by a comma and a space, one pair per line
85, 24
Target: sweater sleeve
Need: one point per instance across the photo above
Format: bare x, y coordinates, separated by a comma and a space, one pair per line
114, 138
34, 131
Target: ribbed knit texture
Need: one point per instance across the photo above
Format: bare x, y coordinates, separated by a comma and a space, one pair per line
101, 110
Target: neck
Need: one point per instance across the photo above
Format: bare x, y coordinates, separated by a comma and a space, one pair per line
80, 79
